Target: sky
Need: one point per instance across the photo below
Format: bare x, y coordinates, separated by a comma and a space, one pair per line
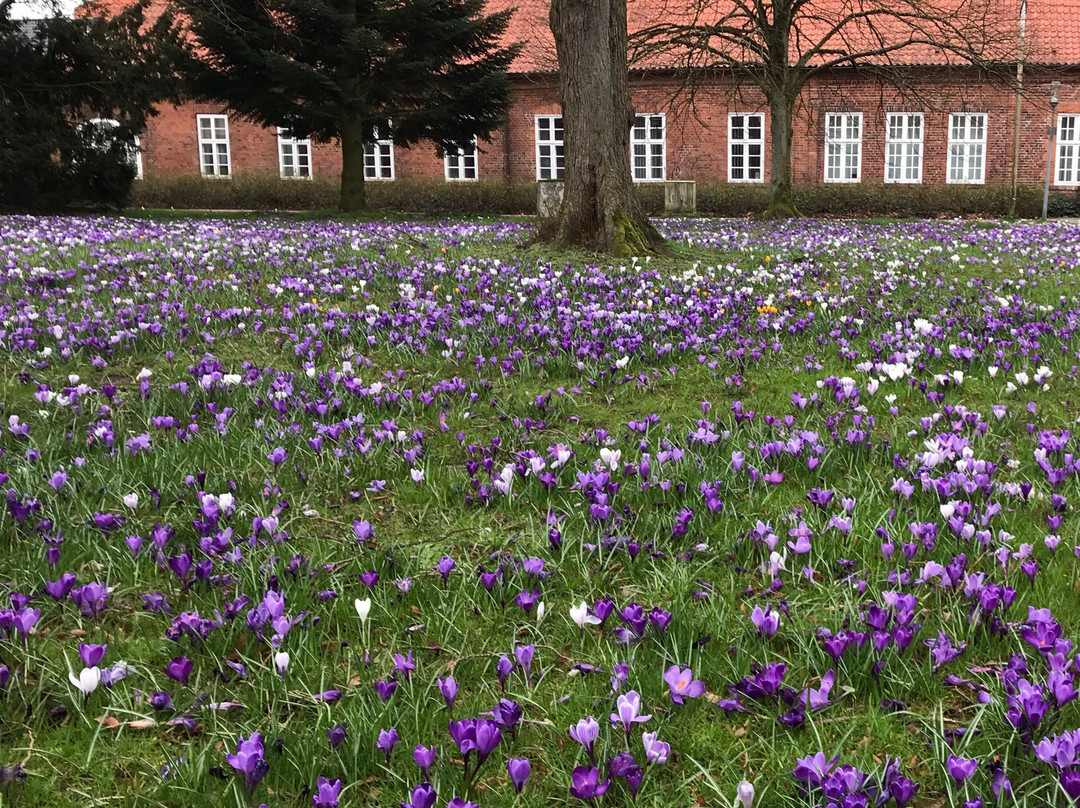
31, 9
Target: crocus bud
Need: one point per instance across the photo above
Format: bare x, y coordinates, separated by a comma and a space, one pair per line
281, 662
363, 608
744, 795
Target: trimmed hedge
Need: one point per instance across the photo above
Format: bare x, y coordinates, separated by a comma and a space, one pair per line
265, 192
499, 197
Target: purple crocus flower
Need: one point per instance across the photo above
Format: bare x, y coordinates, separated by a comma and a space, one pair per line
22, 620
92, 655
425, 759
585, 732
682, 684
385, 688
507, 714
524, 655
90, 598
903, 790
488, 736
327, 793
1070, 782
60, 588
527, 598
656, 752
449, 688
249, 760
388, 739
179, 669
816, 698
335, 735
960, 769
585, 783
812, 769
660, 618
369, 578
503, 669
629, 707
444, 567
766, 622
404, 665
278, 456
423, 796
57, 480
519, 769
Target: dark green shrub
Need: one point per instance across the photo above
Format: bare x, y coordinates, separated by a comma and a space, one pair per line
239, 192
440, 198
420, 197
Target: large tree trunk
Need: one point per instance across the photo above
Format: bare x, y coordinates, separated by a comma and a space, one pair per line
600, 211
352, 166
782, 190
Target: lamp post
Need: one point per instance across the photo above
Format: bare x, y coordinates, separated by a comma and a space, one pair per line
1051, 131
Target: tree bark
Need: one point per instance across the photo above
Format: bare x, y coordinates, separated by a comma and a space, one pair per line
352, 166
781, 187
600, 210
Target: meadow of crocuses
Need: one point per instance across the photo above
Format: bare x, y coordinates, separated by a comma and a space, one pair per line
316, 513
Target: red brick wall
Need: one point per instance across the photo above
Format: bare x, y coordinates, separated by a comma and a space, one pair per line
696, 138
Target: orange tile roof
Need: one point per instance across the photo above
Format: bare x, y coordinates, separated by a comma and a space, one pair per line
1052, 29
1052, 34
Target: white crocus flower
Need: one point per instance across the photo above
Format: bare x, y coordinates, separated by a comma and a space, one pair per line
744, 794
610, 457
581, 617
363, 609
87, 681
281, 662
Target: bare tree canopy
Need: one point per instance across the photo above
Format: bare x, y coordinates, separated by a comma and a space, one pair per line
777, 46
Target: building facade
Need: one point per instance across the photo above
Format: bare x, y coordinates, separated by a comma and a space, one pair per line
950, 127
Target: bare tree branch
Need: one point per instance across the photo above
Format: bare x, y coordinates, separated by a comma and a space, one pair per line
778, 46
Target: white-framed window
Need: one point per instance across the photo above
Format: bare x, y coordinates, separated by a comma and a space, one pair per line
648, 147
461, 165
136, 155
967, 148
294, 156
1067, 171
213, 145
550, 157
746, 147
903, 147
379, 155
843, 147
102, 131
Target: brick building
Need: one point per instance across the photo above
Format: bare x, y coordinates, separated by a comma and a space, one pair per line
849, 127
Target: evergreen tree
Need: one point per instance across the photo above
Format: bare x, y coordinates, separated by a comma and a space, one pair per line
349, 70
73, 94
